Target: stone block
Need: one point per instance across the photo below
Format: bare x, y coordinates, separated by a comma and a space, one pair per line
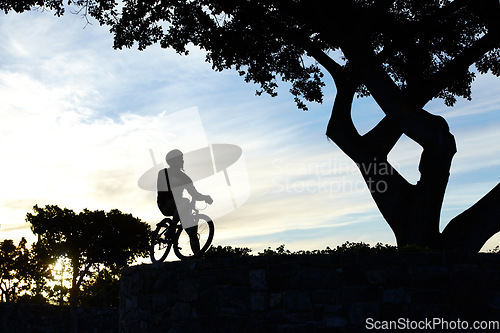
180, 311
297, 301
377, 276
358, 312
233, 300
495, 302
334, 309
389, 311
163, 281
352, 274
258, 301
430, 296
257, 279
325, 296
188, 290
144, 302
279, 275
359, 293
276, 300
335, 321
315, 277
430, 275
395, 296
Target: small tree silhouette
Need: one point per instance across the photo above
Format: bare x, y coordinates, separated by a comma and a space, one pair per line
22, 273
88, 239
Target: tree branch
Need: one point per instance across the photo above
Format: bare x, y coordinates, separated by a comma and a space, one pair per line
383, 137
427, 130
82, 274
471, 229
341, 129
433, 85
335, 69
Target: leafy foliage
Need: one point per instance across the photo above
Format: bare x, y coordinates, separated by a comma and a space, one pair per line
227, 251
112, 238
88, 239
22, 272
11, 260
249, 36
347, 247
268, 41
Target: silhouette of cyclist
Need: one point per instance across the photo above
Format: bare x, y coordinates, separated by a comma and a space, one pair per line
171, 184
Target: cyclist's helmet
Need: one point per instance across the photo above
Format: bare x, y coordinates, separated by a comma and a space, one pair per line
173, 155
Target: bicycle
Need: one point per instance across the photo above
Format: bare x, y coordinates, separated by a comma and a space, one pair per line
167, 235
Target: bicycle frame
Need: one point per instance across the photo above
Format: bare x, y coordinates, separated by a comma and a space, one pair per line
181, 241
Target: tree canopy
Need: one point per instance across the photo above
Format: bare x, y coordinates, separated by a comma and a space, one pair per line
418, 43
88, 239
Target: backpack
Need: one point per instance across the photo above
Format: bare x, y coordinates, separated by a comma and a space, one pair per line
166, 201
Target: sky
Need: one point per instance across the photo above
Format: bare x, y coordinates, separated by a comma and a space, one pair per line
81, 123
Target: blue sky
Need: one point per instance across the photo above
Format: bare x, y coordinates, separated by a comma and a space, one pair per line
79, 118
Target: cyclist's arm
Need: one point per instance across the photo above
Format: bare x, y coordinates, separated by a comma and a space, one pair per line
193, 192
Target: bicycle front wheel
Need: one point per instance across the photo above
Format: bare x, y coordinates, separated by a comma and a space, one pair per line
183, 243
160, 244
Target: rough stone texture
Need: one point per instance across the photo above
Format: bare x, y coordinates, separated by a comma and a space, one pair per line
319, 293
36, 318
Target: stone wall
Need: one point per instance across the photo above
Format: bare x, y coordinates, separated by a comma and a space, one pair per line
318, 293
37, 318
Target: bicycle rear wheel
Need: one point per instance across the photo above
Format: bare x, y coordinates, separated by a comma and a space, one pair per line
205, 234
160, 244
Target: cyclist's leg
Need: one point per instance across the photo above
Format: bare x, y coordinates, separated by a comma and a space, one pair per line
184, 212
175, 217
173, 223
193, 238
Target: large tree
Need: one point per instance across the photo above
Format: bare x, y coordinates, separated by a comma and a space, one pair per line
89, 239
401, 52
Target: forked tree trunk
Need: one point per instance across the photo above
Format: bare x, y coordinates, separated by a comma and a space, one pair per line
412, 211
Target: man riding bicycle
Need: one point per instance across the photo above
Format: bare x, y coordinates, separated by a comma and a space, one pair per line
171, 184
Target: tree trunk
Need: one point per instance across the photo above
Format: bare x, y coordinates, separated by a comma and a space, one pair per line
73, 293
412, 211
